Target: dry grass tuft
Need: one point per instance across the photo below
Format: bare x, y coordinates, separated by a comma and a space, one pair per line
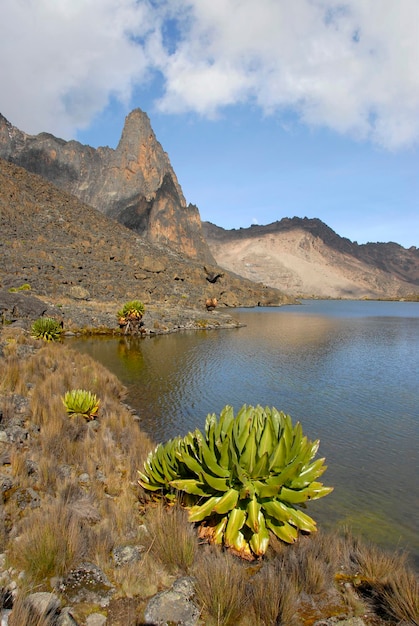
174, 540
125, 514
51, 542
101, 541
143, 579
18, 463
7, 409
12, 379
387, 578
375, 565
221, 588
274, 596
400, 596
306, 565
3, 533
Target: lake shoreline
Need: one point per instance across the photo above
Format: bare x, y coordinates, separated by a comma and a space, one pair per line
115, 416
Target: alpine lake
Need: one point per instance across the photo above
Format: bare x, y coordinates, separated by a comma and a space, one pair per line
347, 370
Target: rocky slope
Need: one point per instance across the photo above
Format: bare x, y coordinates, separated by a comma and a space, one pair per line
69, 252
306, 257
135, 183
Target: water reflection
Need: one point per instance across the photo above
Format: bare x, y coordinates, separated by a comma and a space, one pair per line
347, 371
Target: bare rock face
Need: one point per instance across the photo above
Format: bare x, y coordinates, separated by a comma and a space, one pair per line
135, 183
307, 258
61, 248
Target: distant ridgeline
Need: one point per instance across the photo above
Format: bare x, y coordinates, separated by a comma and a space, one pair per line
136, 185
307, 258
53, 244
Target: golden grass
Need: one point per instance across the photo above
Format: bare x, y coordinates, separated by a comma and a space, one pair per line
12, 380
388, 579
3, 534
24, 614
87, 519
274, 596
375, 565
125, 513
221, 588
18, 463
7, 408
143, 579
306, 566
50, 542
174, 540
400, 596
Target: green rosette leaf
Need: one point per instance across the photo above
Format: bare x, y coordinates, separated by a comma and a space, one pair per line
246, 477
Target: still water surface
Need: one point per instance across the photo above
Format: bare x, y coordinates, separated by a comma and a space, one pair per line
349, 371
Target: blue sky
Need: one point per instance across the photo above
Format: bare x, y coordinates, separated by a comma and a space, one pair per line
267, 109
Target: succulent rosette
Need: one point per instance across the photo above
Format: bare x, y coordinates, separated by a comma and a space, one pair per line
245, 476
81, 402
46, 328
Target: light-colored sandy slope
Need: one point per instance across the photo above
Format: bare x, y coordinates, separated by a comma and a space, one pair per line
299, 263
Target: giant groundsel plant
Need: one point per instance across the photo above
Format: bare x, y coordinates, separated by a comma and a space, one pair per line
245, 476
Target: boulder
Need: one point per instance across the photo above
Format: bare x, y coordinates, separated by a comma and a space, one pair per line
86, 583
14, 306
36, 606
174, 606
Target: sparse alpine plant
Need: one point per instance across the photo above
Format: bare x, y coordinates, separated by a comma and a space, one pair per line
46, 328
247, 475
81, 402
132, 309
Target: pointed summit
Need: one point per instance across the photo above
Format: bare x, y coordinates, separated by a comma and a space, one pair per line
134, 184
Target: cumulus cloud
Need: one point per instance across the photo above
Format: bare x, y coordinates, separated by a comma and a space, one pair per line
63, 59
350, 66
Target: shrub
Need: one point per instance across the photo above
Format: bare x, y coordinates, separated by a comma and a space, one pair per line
129, 317
244, 477
46, 328
24, 287
134, 308
81, 402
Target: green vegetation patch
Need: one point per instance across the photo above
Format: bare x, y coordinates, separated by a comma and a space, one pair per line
81, 402
246, 476
46, 328
24, 287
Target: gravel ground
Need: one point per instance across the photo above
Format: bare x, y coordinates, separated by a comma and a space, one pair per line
95, 317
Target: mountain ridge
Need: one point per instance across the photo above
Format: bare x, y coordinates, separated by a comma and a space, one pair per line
133, 183
69, 251
136, 185
306, 257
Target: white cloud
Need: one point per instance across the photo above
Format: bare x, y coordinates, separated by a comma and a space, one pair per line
350, 66
63, 59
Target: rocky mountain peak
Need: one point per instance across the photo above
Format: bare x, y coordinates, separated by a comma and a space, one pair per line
134, 183
143, 157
